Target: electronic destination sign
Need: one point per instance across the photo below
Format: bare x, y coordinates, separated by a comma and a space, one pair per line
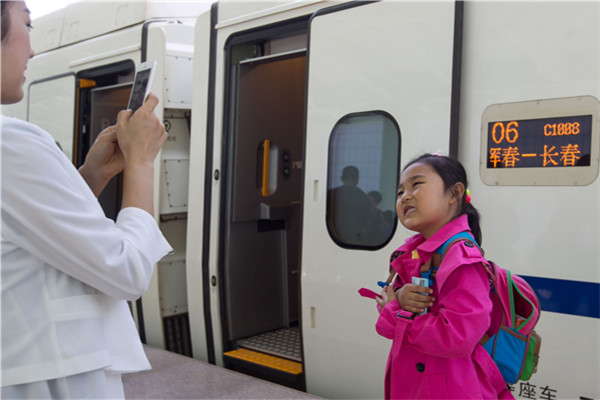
549, 142
544, 142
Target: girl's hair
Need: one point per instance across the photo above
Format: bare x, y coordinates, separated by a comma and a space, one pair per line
5, 18
451, 171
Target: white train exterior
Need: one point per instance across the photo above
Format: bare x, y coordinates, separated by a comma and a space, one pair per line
266, 102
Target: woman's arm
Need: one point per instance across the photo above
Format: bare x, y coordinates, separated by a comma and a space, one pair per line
49, 211
140, 138
131, 144
103, 161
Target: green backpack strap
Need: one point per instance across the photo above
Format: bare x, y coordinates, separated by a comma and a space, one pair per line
513, 315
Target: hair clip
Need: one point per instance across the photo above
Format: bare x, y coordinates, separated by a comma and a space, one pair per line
468, 196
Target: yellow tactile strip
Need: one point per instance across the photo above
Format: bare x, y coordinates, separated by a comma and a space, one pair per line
267, 360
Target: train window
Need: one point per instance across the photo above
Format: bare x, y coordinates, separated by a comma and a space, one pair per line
364, 152
544, 142
60, 91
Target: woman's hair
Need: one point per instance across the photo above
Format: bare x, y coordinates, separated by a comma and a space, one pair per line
5, 21
451, 171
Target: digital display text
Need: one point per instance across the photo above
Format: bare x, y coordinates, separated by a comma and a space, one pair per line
556, 142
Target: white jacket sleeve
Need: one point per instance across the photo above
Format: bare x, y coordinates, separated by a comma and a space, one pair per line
48, 209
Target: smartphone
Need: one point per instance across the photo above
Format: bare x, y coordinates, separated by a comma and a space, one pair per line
141, 84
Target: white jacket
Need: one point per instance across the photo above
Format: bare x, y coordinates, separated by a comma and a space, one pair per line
66, 268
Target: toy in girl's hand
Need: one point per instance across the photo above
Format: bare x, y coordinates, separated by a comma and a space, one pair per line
364, 292
371, 294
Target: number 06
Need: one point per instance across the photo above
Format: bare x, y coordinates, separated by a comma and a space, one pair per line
511, 132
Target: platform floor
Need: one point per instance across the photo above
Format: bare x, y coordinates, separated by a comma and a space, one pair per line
174, 376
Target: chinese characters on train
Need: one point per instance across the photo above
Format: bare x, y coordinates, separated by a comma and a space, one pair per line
527, 390
545, 142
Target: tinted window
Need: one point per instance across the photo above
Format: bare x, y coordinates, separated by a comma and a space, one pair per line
362, 179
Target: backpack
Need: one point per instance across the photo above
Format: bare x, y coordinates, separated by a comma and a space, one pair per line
511, 340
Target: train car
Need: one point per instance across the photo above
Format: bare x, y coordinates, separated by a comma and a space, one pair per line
288, 102
297, 91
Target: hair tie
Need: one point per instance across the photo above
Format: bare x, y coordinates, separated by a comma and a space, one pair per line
468, 196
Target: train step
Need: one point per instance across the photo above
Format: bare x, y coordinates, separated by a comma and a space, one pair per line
266, 360
266, 366
283, 343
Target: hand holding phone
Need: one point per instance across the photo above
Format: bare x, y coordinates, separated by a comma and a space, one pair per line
141, 84
421, 282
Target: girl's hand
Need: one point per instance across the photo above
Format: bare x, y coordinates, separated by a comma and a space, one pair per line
387, 295
103, 161
412, 300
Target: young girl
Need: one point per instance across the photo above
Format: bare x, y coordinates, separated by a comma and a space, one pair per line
437, 355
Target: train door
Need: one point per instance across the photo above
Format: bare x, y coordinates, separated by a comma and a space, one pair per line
379, 93
101, 93
261, 224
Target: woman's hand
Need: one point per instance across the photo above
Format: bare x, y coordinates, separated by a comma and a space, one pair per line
140, 137
103, 161
412, 299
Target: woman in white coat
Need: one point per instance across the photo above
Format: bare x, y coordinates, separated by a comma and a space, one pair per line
67, 270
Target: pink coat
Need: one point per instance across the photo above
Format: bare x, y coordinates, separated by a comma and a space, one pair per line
438, 355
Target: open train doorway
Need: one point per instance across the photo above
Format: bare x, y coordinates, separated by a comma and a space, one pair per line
260, 247
101, 93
